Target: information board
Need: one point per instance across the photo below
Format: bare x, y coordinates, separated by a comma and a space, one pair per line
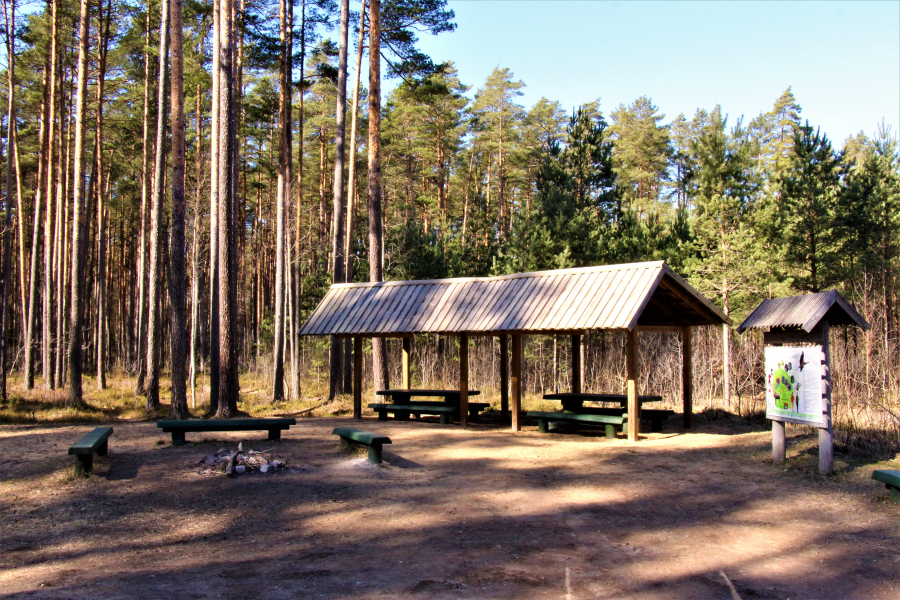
794, 384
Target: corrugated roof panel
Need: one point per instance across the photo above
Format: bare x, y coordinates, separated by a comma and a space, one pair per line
607, 297
804, 312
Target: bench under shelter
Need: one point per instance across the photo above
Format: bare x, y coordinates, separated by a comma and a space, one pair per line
637, 298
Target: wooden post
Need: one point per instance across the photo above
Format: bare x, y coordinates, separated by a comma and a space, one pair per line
463, 379
777, 442
407, 349
357, 377
576, 364
687, 377
516, 381
826, 432
634, 420
504, 378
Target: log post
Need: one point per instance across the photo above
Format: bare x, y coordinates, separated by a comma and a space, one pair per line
504, 378
576, 364
778, 442
516, 381
687, 377
634, 419
407, 349
826, 432
463, 379
357, 377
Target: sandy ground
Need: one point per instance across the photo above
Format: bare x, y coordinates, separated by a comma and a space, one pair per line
480, 513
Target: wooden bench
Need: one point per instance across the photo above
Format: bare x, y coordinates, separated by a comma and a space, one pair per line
84, 449
354, 437
179, 428
402, 411
608, 421
654, 415
891, 480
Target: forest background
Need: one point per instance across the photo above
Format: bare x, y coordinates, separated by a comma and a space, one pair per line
188, 167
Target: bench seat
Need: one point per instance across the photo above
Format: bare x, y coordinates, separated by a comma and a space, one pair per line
179, 427
609, 422
891, 480
656, 416
356, 437
402, 411
97, 441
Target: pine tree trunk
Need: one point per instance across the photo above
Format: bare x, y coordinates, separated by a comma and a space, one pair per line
102, 44
297, 290
283, 195
142, 260
48, 356
228, 375
157, 198
177, 292
337, 253
196, 293
77, 247
214, 218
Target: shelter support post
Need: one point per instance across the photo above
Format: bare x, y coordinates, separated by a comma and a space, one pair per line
687, 377
463, 379
407, 350
826, 432
516, 381
357, 377
634, 419
504, 378
777, 442
576, 364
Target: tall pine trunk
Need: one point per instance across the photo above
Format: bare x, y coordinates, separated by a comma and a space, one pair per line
77, 247
102, 45
214, 219
376, 248
337, 253
47, 346
142, 254
154, 309
177, 292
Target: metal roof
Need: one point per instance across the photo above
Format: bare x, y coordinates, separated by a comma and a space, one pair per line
804, 312
605, 297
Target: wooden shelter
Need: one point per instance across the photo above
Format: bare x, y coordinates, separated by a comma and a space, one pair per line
634, 298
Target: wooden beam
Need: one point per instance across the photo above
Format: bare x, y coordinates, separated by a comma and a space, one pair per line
631, 368
687, 377
659, 329
504, 378
576, 364
777, 442
826, 432
464, 380
516, 381
407, 349
790, 336
357, 377
691, 301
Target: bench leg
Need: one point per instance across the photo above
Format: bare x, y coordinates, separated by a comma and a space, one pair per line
473, 414
445, 419
543, 426
656, 424
375, 454
103, 450
611, 432
178, 438
382, 415
895, 493
84, 463
275, 435
401, 416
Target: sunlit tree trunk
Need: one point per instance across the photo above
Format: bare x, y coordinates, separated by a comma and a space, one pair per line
177, 292
77, 248
156, 209
142, 254
102, 45
338, 234
214, 219
48, 356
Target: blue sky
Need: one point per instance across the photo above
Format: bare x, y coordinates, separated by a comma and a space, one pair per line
841, 58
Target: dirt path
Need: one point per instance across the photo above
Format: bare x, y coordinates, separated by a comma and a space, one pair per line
480, 513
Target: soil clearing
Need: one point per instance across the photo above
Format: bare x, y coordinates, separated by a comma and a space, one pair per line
476, 513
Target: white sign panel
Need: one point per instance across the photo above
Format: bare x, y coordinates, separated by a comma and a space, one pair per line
794, 384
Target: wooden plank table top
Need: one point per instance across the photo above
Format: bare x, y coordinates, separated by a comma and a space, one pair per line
429, 393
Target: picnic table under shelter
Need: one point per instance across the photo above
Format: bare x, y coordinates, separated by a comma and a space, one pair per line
647, 297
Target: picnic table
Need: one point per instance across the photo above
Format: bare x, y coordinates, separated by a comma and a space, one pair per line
450, 399
574, 402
